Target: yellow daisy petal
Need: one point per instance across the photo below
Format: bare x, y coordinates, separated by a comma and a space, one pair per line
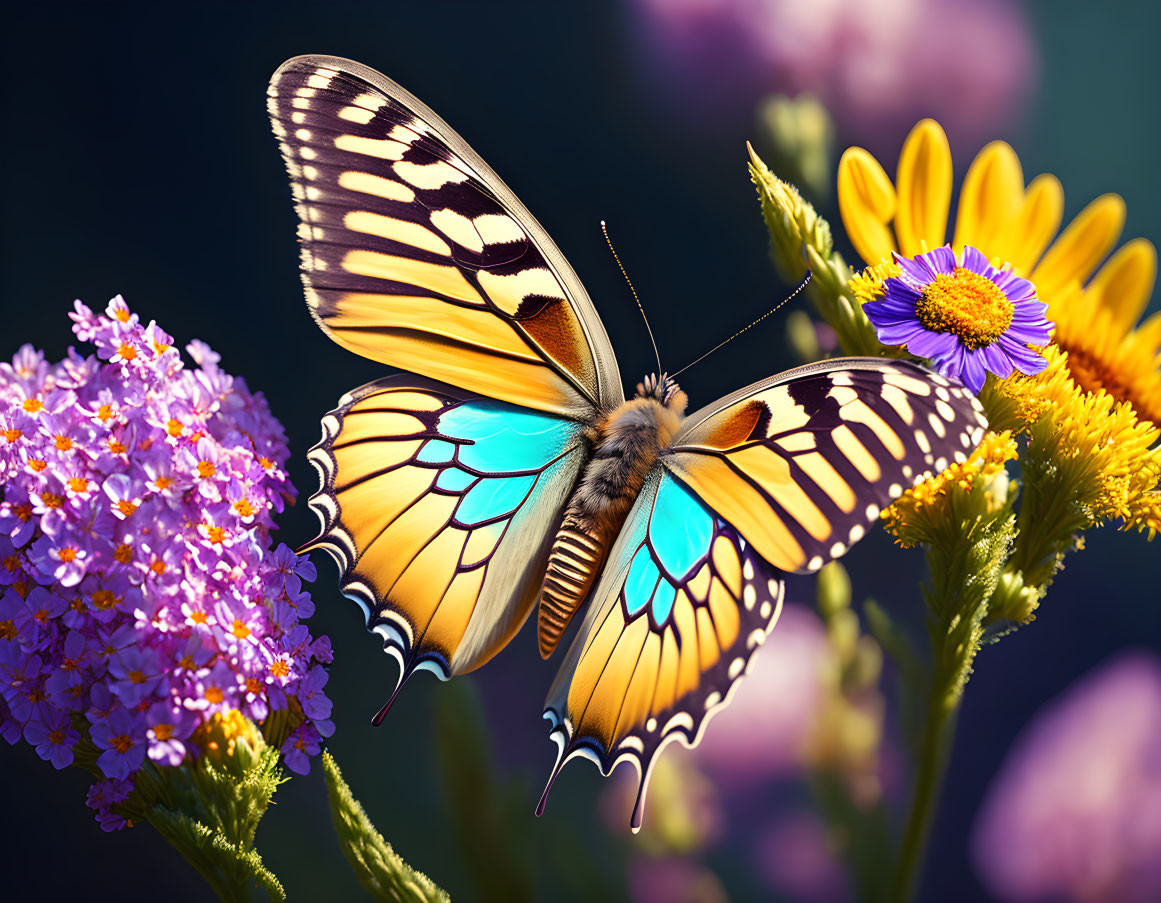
1082, 245
924, 185
990, 201
1036, 224
867, 203
1125, 284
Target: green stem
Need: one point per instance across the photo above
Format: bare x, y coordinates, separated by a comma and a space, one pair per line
935, 747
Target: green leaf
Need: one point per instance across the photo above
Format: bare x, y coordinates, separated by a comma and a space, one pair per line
381, 871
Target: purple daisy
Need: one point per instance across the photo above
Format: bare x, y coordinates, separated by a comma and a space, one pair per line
967, 317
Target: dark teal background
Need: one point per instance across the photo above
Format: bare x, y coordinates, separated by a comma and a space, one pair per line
136, 158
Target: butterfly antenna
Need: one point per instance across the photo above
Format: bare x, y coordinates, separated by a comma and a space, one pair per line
779, 305
621, 266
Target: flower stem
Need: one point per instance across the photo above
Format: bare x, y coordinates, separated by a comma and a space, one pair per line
934, 750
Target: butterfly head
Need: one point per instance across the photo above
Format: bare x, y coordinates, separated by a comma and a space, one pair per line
665, 390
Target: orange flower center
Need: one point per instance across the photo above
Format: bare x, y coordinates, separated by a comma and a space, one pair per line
32, 405
163, 483
240, 630
158, 567
206, 469
7, 630
12, 435
56, 737
137, 677
123, 553
67, 554
116, 447
127, 351
104, 598
122, 743
244, 508
214, 695
163, 731
11, 564
174, 428
122, 314
63, 443
280, 668
199, 617
126, 507
51, 500
78, 484
37, 465
966, 304
105, 412
265, 462
216, 534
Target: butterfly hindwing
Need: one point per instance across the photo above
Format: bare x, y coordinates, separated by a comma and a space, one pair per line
438, 506
802, 463
681, 606
415, 254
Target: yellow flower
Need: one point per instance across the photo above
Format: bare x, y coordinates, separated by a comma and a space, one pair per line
1095, 443
1013, 224
946, 498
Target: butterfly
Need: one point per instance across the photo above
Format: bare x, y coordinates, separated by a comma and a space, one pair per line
505, 470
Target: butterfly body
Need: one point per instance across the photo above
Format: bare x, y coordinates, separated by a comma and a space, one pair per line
626, 444
505, 466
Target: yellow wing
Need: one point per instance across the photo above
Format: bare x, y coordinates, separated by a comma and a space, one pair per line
415, 254
439, 507
802, 463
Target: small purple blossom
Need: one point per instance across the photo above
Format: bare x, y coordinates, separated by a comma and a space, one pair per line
963, 314
138, 583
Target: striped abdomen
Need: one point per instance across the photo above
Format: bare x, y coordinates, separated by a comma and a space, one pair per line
573, 564
627, 444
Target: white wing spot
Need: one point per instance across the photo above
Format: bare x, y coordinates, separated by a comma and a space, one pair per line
749, 596
748, 570
894, 490
959, 456
937, 426
713, 699
940, 465
765, 611
907, 471
841, 379
872, 512
942, 394
736, 667
815, 563
857, 533
651, 725
837, 550
945, 411
922, 441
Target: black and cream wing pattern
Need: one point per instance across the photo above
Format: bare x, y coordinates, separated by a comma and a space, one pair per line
415, 254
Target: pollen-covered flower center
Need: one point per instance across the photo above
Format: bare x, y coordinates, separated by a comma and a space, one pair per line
966, 304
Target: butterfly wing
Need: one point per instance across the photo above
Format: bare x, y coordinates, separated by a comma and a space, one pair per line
781, 476
802, 463
415, 254
681, 606
439, 506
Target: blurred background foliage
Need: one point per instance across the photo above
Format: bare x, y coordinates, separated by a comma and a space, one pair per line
138, 160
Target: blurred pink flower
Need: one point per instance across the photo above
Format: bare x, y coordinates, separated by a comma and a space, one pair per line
762, 733
673, 880
793, 858
1075, 812
878, 65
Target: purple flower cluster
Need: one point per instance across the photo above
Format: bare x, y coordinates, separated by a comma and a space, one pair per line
139, 593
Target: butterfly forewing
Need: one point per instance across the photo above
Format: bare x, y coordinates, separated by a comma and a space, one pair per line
414, 253
801, 464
